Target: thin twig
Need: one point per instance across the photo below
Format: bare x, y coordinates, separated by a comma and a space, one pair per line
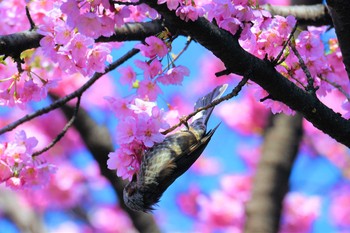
31, 22
19, 65
310, 81
188, 42
339, 87
266, 98
277, 60
63, 132
233, 93
71, 96
223, 72
298, 81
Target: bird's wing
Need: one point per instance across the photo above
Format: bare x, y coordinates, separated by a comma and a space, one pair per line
184, 161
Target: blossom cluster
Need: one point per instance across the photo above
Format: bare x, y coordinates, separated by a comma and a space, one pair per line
140, 119
154, 49
18, 169
73, 51
138, 129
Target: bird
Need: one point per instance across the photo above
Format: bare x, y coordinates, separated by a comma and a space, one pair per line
163, 163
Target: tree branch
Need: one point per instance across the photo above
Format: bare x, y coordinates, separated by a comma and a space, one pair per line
233, 93
270, 185
71, 96
237, 60
13, 45
339, 10
310, 81
62, 133
307, 15
134, 31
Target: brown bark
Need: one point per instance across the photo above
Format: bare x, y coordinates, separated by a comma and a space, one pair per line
307, 15
339, 10
282, 138
13, 44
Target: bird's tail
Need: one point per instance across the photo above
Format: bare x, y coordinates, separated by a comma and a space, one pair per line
203, 116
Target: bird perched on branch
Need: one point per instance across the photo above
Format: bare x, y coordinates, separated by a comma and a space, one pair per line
162, 164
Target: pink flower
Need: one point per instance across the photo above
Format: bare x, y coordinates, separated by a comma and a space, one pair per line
299, 212
346, 106
189, 12
97, 56
124, 161
220, 211
64, 189
284, 25
128, 75
121, 12
15, 183
171, 4
107, 225
151, 69
148, 130
70, 7
154, 47
79, 46
106, 27
237, 186
119, 106
37, 176
243, 13
63, 34
341, 215
5, 171
174, 75
126, 130
309, 45
89, 25
222, 9
149, 89
31, 91
231, 25
140, 106
187, 201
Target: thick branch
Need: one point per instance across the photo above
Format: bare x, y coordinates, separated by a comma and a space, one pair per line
226, 47
134, 31
309, 15
13, 44
270, 185
339, 10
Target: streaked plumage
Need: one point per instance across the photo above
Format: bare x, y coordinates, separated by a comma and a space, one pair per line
162, 164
